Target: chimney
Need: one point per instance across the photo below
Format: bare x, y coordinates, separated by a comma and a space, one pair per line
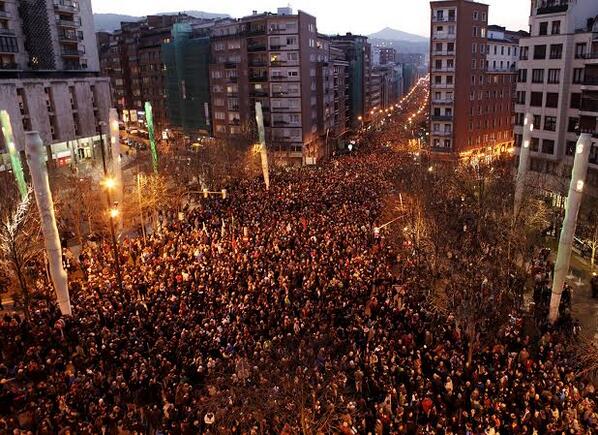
254, 12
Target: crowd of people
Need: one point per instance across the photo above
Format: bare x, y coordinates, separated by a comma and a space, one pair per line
276, 312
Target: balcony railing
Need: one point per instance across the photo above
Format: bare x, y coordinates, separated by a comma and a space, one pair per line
589, 106
442, 133
258, 63
7, 32
9, 66
4, 14
66, 5
68, 23
443, 69
262, 78
443, 53
552, 7
443, 35
442, 100
257, 47
230, 65
443, 19
62, 36
442, 117
590, 81
589, 55
71, 52
256, 31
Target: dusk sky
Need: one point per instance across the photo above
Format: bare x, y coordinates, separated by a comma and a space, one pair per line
334, 16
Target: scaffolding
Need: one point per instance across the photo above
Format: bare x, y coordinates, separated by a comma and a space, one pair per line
187, 61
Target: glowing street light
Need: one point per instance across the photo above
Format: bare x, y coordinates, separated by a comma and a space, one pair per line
114, 213
109, 183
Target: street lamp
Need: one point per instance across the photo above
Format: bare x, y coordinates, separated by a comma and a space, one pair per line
109, 184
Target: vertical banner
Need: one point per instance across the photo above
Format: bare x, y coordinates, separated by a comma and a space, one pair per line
149, 118
45, 205
15, 159
259, 117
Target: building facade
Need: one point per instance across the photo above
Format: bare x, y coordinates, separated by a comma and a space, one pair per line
49, 76
270, 59
558, 85
358, 53
470, 103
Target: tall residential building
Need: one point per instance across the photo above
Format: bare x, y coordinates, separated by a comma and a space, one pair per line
187, 61
388, 55
271, 59
49, 75
558, 85
470, 103
132, 58
358, 52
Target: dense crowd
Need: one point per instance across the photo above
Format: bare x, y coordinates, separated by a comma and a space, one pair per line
276, 312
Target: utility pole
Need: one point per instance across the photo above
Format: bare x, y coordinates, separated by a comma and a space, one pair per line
45, 204
578, 177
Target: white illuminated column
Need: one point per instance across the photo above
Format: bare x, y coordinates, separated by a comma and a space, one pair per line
259, 117
578, 178
116, 160
43, 196
524, 153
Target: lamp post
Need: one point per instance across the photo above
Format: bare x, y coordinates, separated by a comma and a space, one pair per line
109, 184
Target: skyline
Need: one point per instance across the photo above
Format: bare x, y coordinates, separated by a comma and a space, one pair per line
512, 14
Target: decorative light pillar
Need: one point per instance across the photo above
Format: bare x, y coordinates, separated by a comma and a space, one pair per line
524, 153
578, 178
45, 205
116, 160
259, 117
149, 118
15, 159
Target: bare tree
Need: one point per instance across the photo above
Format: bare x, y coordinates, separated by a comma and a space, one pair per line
20, 241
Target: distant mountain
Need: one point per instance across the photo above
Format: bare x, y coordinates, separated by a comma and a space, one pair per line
389, 34
111, 22
404, 47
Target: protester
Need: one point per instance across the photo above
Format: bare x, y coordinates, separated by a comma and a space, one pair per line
247, 302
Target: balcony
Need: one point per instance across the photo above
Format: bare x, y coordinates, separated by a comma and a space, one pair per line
443, 53
8, 66
281, 78
258, 63
442, 85
258, 93
443, 100
442, 133
256, 31
591, 58
440, 36
8, 32
590, 82
4, 14
443, 69
589, 107
442, 117
232, 79
258, 78
256, 47
230, 65
443, 19
69, 37
71, 52
552, 7
68, 23
74, 66
66, 5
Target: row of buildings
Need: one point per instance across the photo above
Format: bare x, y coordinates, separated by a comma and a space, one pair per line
49, 76
203, 77
484, 79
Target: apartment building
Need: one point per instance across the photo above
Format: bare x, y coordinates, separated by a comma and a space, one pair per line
558, 85
271, 59
470, 102
358, 52
388, 55
49, 76
132, 58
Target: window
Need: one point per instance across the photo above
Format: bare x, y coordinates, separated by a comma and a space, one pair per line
554, 76
556, 51
537, 121
550, 123
552, 99
575, 101
539, 52
521, 97
556, 27
573, 125
578, 75
219, 115
483, 16
548, 146
474, 47
524, 53
536, 99
522, 78
534, 144
537, 76
543, 30
450, 47
475, 15
475, 31
580, 50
